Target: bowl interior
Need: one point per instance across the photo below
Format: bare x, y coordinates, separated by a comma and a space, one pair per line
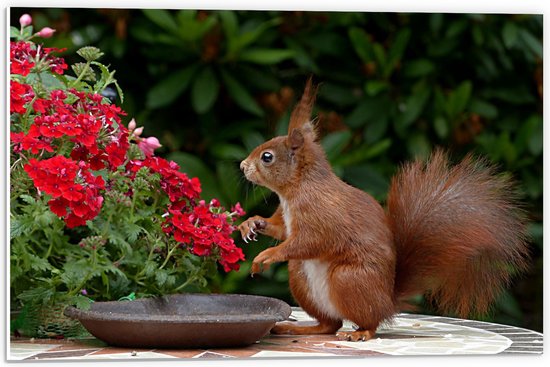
190, 308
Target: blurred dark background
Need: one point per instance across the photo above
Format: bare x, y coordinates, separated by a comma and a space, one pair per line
212, 85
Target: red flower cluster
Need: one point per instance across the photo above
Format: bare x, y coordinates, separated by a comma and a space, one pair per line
24, 56
175, 184
203, 228
199, 227
96, 136
75, 191
87, 130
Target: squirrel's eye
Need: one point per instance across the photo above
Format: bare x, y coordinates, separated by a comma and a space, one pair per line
267, 157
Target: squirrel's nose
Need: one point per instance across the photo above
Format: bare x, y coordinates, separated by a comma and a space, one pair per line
242, 165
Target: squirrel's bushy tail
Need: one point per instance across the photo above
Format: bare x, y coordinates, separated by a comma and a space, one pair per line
459, 233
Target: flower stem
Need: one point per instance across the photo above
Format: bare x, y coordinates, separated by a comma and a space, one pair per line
186, 283
82, 73
168, 256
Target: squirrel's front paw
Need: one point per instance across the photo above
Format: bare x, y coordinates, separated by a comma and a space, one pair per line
251, 227
264, 259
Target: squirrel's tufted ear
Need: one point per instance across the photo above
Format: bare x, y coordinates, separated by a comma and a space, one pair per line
295, 139
301, 115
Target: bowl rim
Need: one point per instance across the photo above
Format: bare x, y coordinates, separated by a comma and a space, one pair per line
89, 315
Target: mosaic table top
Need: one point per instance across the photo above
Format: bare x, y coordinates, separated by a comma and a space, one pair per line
408, 334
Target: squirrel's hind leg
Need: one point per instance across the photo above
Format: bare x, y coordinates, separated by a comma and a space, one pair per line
300, 291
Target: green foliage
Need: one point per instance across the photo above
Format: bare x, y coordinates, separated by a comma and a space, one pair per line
215, 84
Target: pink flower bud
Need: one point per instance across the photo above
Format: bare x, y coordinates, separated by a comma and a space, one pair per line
148, 145
153, 142
132, 125
25, 20
138, 131
45, 32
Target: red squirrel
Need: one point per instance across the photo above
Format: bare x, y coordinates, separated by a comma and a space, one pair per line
454, 234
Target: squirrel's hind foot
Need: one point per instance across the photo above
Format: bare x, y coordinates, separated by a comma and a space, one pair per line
355, 336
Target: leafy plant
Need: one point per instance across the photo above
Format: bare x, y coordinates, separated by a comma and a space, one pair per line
94, 214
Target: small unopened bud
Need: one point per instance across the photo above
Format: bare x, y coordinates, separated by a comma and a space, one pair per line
25, 20
132, 125
148, 145
46, 32
138, 131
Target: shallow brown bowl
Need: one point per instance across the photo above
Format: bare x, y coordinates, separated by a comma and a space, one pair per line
183, 320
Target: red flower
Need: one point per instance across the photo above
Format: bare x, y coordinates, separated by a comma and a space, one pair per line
34, 141
58, 206
20, 94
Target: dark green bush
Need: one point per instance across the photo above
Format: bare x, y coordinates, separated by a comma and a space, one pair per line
211, 85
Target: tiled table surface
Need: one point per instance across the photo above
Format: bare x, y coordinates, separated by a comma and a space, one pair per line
407, 335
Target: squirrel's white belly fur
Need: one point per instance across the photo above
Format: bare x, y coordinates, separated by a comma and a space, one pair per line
316, 273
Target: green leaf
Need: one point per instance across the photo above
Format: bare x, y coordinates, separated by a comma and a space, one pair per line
38, 263
82, 303
335, 142
192, 29
533, 43
418, 68
14, 32
361, 44
28, 199
441, 127
149, 268
459, 98
160, 277
240, 95
132, 231
18, 227
166, 91
456, 28
483, 108
362, 153
266, 56
107, 77
51, 81
509, 34
74, 272
412, 108
204, 91
162, 18
241, 41
37, 294
373, 87
380, 56
229, 23
397, 50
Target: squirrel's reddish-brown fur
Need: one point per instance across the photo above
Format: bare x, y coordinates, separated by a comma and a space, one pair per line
452, 233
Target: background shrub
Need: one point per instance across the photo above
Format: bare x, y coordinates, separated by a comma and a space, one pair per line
211, 85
